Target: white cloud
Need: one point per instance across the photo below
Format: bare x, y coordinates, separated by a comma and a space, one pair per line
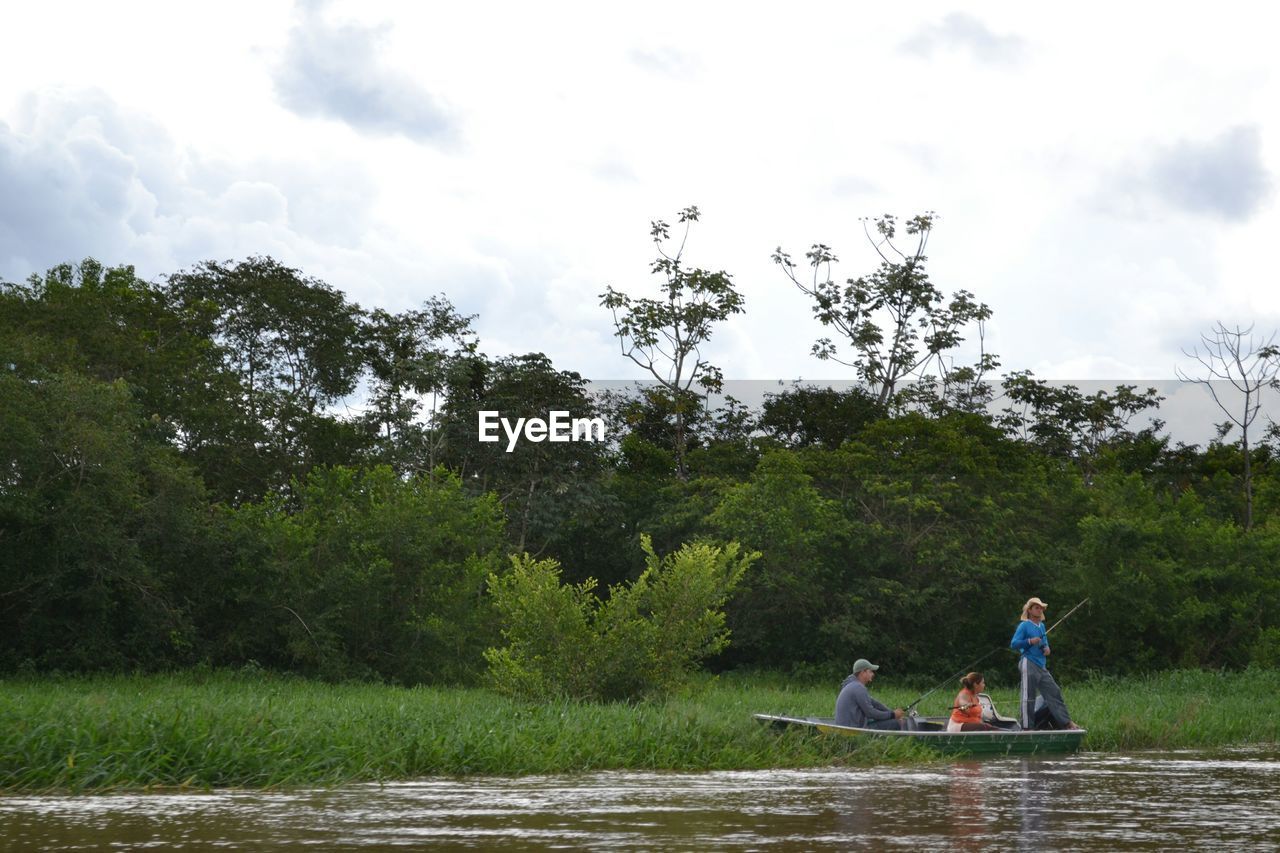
959, 31
81, 176
1224, 177
335, 71
667, 60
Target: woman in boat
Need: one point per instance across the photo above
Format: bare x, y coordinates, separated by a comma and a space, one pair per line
966, 711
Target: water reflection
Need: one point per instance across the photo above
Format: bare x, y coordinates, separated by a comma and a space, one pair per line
1084, 802
1034, 795
969, 820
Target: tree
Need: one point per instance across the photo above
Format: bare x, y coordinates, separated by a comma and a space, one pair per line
109, 325
946, 515
541, 485
1173, 585
718, 441
99, 522
778, 613
805, 416
292, 342
1066, 423
408, 356
1249, 365
896, 320
664, 336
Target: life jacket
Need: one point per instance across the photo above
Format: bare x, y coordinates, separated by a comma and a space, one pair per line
971, 714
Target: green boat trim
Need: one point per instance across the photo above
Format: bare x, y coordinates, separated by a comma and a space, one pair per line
934, 735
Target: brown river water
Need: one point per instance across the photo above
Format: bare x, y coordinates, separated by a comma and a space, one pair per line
1091, 801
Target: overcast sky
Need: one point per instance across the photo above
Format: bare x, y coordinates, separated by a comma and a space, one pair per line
1105, 176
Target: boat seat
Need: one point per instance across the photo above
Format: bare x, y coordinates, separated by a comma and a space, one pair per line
994, 717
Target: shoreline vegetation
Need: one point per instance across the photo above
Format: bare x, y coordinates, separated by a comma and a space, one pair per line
205, 730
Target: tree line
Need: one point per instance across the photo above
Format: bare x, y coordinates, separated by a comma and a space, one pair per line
184, 481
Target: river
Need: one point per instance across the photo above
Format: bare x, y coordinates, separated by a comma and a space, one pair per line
1091, 801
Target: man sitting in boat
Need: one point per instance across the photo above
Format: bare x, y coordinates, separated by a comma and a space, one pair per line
856, 708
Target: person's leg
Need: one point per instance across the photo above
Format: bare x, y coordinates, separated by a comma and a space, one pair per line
1027, 669
1053, 701
884, 724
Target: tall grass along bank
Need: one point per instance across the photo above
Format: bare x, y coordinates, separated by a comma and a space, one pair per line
265, 731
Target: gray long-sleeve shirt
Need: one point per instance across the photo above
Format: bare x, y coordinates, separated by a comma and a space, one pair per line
854, 705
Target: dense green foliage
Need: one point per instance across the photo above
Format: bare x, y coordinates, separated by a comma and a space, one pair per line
365, 574
644, 639
239, 466
212, 730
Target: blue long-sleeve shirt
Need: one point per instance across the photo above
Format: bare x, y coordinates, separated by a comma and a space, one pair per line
1021, 642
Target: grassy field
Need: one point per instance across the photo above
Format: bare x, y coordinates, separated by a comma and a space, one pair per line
226, 730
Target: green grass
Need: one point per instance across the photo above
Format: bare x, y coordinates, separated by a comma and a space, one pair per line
224, 730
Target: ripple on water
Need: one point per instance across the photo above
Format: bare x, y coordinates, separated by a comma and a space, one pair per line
1088, 801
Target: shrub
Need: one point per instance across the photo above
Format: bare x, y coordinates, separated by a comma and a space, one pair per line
367, 574
563, 640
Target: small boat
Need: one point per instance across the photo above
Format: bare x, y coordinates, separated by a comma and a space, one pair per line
1009, 739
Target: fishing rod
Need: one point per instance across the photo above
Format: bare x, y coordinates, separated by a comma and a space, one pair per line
952, 678
984, 657
1064, 618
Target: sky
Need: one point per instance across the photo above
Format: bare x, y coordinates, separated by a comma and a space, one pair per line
1104, 176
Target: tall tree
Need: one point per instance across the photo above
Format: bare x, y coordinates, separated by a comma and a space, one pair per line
1235, 359
897, 322
292, 342
408, 356
665, 336
110, 325
544, 487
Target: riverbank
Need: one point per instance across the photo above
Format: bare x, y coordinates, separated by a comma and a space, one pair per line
228, 730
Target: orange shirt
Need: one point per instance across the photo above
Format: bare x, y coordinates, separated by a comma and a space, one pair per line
972, 714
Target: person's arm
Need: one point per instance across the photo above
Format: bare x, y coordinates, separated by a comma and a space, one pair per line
1019, 642
870, 707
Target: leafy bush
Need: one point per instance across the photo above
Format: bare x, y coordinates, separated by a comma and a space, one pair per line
562, 640
366, 574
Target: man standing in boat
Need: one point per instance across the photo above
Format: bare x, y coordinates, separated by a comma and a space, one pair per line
1031, 640
855, 707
